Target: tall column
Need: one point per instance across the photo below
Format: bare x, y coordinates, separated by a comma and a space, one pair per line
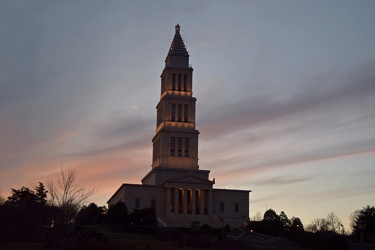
202, 201
184, 198
193, 200
209, 202
168, 210
176, 200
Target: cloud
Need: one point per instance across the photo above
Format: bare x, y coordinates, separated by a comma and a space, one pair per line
330, 116
340, 193
325, 95
281, 180
105, 150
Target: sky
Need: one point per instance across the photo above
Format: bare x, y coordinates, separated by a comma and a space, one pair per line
285, 96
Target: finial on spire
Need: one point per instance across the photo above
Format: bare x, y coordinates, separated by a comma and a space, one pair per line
178, 28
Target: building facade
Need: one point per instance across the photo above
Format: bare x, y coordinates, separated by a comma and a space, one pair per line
179, 191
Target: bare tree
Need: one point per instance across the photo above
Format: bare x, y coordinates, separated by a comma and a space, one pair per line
257, 217
334, 223
66, 194
318, 225
330, 223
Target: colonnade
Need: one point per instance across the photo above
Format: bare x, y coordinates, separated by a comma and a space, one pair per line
189, 201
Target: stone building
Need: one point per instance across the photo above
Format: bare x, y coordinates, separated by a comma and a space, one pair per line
179, 191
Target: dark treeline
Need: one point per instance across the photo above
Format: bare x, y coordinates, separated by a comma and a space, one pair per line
277, 225
115, 215
323, 233
29, 215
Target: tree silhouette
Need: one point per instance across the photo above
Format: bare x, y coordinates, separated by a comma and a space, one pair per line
297, 224
317, 225
330, 223
118, 213
41, 193
67, 194
286, 222
25, 215
91, 214
270, 215
272, 222
22, 197
333, 222
367, 216
257, 216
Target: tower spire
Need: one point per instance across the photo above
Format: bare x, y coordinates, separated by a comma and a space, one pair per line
178, 55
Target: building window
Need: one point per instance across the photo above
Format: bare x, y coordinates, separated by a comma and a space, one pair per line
179, 81
173, 112
221, 207
236, 208
173, 81
173, 145
185, 82
153, 203
179, 147
179, 111
186, 147
186, 112
137, 203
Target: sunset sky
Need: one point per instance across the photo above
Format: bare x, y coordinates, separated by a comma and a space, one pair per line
286, 96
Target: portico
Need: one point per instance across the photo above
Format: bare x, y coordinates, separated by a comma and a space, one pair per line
188, 200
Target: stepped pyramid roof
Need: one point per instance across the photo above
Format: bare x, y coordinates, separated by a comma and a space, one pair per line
177, 47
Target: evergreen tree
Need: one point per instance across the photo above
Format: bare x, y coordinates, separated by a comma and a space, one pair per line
286, 222
365, 215
118, 213
90, 214
25, 216
22, 197
297, 224
272, 222
41, 193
